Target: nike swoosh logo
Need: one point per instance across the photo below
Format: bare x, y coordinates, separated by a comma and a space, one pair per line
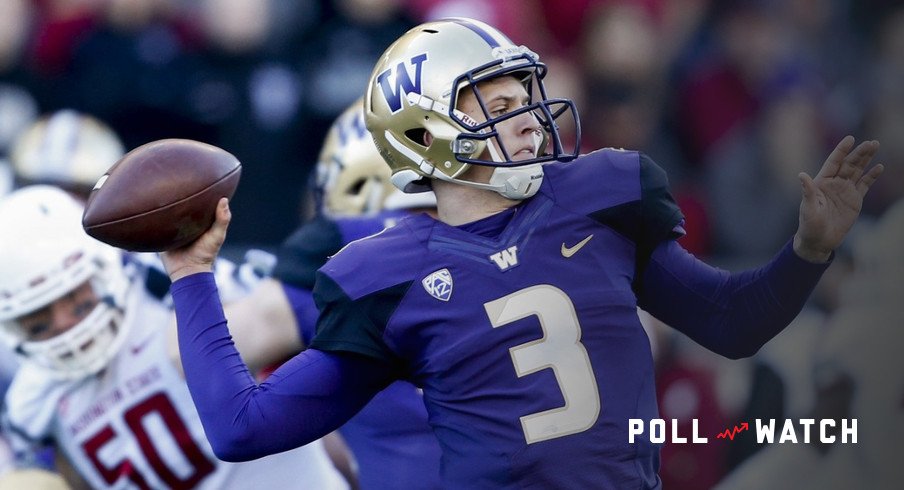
569, 251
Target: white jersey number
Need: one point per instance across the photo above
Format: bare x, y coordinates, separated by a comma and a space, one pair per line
160, 405
560, 348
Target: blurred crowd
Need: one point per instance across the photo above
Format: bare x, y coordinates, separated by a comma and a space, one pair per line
733, 98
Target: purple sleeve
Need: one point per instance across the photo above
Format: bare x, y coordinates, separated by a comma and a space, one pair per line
306, 398
732, 314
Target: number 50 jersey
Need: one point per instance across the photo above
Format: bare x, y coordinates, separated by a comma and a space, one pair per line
133, 425
521, 328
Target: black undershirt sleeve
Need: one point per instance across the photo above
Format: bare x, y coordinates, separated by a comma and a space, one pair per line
649, 221
305, 251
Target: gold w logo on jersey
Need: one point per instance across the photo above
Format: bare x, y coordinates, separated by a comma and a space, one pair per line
506, 259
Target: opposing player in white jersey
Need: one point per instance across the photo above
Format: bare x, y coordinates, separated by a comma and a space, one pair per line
66, 149
98, 379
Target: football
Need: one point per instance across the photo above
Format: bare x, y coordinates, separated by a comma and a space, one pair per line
160, 196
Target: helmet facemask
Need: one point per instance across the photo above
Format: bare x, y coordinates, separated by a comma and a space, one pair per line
513, 179
545, 110
82, 350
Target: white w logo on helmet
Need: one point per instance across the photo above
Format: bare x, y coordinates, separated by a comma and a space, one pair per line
401, 82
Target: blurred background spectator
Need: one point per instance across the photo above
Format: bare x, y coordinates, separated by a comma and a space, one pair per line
733, 98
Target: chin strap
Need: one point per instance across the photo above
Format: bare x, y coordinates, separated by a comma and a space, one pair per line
517, 182
514, 183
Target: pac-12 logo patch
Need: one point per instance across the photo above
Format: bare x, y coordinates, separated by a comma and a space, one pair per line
439, 284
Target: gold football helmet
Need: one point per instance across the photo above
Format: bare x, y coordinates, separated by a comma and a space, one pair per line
68, 149
351, 178
415, 87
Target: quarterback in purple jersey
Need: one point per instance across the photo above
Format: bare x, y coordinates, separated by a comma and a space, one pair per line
389, 438
515, 309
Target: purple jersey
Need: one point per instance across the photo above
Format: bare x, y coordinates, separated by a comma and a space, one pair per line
527, 343
520, 328
390, 438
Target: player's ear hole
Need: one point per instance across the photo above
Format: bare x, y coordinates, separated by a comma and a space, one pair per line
420, 136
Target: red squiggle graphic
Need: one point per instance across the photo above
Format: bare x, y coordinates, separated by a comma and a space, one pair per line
731, 433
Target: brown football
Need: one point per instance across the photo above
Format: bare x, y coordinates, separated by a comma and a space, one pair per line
160, 196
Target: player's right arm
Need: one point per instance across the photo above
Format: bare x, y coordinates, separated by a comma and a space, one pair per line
263, 325
276, 320
306, 398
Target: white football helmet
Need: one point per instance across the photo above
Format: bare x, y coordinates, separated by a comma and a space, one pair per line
67, 149
45, 254
415, 87
351, 178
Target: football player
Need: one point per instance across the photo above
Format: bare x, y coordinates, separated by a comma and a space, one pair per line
390, 439
516, 309
96, 376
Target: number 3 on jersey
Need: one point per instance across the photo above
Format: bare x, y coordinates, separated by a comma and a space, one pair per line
560, 348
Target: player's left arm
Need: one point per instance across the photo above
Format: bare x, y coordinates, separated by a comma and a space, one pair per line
734, 314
